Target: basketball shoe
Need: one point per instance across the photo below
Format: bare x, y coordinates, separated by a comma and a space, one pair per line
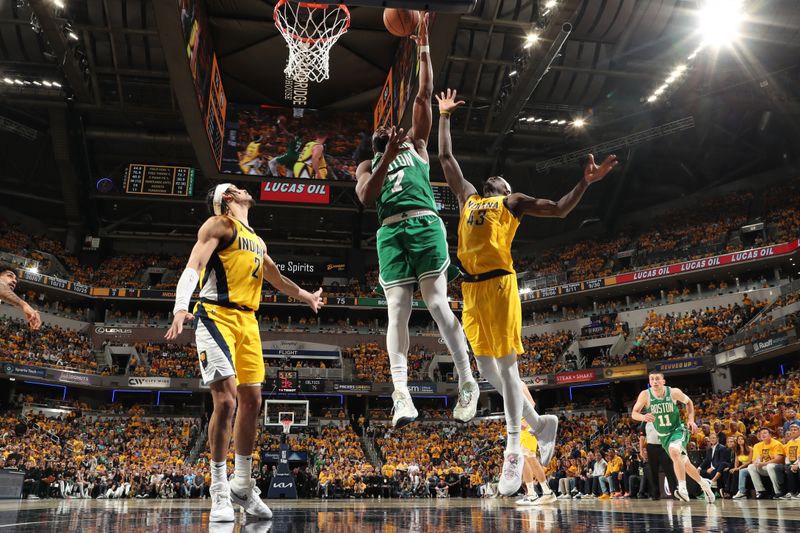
706, 486
467, 403
404, 410
221, 507
528, 499
511, 478
250, 500
546, 435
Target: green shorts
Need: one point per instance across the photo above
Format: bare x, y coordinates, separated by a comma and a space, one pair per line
680, 434
288, 159
411, 250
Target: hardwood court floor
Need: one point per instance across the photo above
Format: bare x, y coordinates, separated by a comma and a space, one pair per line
365, 516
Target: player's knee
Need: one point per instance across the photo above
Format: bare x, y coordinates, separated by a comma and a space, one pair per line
225, 404
438, 309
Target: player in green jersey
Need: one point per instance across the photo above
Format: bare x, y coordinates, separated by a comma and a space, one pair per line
288, 159
412, 243
664, 414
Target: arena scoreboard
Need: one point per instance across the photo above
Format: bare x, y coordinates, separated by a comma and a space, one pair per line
285, 382
444, 198
159, 179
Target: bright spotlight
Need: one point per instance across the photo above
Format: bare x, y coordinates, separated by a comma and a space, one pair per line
56, 84
72, 35
59, 4
531, 39
720, 20
554, 121
652, 98
679, 70
512, 73
562, 122
550, 4
660, 90
34, 270
579, 123
8, 81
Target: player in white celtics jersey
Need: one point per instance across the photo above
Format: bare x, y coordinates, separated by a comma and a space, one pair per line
412, 243
663, 412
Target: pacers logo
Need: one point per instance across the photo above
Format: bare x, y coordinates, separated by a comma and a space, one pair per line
203, 359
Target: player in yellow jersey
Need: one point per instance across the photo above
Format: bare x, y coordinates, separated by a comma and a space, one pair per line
311, 161
233, 263
250, 159
492, 313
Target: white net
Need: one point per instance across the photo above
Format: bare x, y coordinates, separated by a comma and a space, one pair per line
310, 31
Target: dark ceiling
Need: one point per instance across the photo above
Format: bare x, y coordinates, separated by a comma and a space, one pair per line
744, 101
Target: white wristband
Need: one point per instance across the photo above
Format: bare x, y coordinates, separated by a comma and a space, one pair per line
184, 290
425, 48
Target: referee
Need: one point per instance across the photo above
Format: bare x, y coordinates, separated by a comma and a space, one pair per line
656, 457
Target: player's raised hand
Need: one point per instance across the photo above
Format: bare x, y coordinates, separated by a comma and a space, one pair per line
177, 324
396, 140
313, 299
593, 173
447, 101
422, 34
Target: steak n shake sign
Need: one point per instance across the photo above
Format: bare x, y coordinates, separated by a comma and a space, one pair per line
299, 192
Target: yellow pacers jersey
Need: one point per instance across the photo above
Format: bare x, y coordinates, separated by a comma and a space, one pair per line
304, 162
234, 274
251, 152
485, 233
528, 442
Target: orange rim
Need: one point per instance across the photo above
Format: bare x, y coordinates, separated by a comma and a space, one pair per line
307, 5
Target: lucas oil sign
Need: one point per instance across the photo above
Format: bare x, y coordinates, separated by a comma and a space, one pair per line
299, 191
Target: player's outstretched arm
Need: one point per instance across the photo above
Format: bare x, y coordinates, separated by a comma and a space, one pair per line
422, 117
214, 231
369, 181
521, 204
31, 314
461, 188
290, 288
641, 403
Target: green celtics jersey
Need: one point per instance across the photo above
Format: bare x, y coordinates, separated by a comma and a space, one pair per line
407, 185
668, 416
295, 145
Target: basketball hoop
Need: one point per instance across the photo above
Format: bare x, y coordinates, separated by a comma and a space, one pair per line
310, 31
286, 419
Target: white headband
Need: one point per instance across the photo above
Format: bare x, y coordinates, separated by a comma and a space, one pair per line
218, 192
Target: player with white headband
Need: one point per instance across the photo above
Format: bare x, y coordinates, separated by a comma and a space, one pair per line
231, 262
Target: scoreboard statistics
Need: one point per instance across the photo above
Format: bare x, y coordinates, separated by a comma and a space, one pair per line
159, 179
285, 383
215, 116
445, 199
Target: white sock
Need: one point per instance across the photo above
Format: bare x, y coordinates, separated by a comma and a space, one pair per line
530, 488
546, 488
512, 399
242, 470
682, 485
434, 292
512, 441
398, 302
219, 472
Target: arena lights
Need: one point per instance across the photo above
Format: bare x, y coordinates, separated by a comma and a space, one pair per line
579, 123
531, 39
30, 83
59, 4
720, 20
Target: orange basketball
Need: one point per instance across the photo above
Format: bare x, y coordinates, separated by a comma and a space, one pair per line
400, 22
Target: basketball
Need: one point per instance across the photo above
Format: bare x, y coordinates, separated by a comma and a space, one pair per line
400, 22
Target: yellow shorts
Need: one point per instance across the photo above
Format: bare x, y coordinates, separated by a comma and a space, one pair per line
492, 316
228, 344
529, 443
